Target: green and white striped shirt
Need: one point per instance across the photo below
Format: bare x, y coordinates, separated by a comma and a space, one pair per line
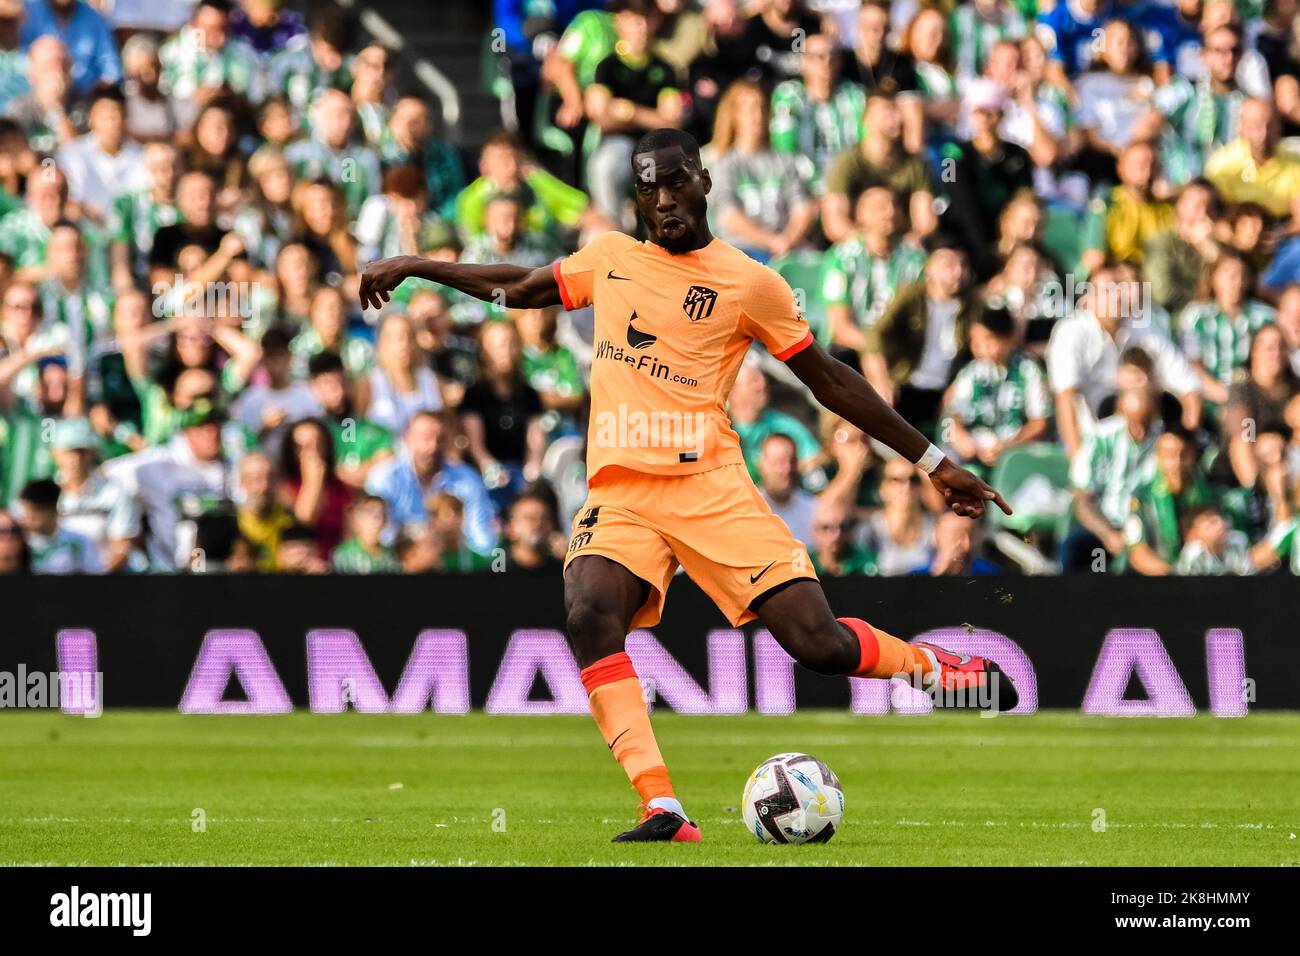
24, 238
1111, 465
972, 37
295, 74
1283, 540
1000, 399
1196, 559
1199, 122
85, 314
1219, 342
355, 168
852, 276
187, 66
816, 131
133, 218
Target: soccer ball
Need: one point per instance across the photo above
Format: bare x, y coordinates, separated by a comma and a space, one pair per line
792, 798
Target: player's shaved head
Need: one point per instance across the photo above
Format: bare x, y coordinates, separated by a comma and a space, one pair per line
667, 138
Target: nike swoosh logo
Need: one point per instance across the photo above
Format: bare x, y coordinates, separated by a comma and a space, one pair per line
753, 578
612, 276
617, 739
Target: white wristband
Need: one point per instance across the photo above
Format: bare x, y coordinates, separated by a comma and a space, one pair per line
931, 460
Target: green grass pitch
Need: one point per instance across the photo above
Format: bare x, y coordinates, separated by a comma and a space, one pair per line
951, 789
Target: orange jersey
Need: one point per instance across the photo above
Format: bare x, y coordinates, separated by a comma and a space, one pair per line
671, 332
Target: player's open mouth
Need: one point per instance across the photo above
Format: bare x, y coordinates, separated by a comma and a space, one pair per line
672, 228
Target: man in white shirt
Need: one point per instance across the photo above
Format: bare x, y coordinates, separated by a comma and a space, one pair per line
1083, 355
91, 505
177, 482
103, 164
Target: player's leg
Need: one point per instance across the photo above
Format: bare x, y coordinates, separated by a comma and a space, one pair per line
601, 599
800, 618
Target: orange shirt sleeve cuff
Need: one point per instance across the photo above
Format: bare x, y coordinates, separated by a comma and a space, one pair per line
786, 354
559, 281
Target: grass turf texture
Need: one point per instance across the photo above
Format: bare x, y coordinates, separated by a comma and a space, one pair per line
949, 789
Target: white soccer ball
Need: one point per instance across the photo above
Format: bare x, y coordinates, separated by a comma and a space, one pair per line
792, 798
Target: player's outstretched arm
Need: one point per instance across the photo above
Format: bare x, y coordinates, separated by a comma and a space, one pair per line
515, 287
846, 393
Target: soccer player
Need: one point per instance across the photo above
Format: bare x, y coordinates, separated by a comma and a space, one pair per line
667, 482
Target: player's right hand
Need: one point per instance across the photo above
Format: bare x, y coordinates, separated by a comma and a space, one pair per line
380, 278
964, 492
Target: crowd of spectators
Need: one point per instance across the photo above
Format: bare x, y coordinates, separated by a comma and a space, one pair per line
1060, 236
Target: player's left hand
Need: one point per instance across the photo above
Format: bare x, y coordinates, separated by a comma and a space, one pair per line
964, 492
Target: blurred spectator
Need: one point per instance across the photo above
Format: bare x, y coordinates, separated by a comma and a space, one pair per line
408, 139
359, 443
957, 550
1252, 167
265, 25
1217, 328
501, 415
818, 114
914, 349
1108, 468
447, 520
901, 533
778, 480
176, 482
308, 65
1175, 258
983, 174
1257, 405
548, 202
15, 556
91, 505
364, 552
50, 113
54, 548
84, 31
262, 519
879, 160
863, 272
401, 383
532, 541
631, 93
1083, 356
300, 552
926, 40
1213, 547
999, 399
330, 153
1121, 221
833, 551
1163, 504
266, 409
310, 486
134, 218
423, 469
755, 420
105, 163
201, 61
759, 201
880, 69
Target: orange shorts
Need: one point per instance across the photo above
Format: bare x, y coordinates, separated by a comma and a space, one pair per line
715, 524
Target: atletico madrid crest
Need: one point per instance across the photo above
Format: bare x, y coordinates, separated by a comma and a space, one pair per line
699, 302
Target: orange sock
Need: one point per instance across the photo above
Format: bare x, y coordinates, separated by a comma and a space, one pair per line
884, 655
614, 694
